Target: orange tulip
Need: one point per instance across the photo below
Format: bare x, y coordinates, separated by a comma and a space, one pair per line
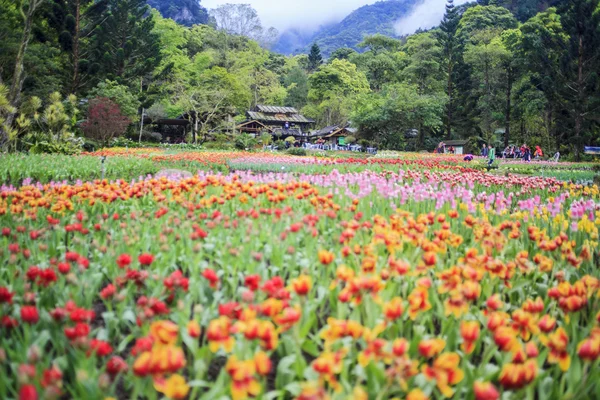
326, 257
263, 363
516, 376
164, 332
485, 391
494, 303
557, 343
174, 388
430, 348
218, 335
469, 330
393, 309
446, 372
302, 285
194, 330
400, 347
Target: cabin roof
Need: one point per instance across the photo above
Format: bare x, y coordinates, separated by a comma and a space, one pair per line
275, 109
279, 117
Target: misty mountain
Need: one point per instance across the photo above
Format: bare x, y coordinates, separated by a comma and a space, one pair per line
367, 20
382, 18
185, 12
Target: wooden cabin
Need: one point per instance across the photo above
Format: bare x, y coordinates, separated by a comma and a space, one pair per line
333, 135
281, 122
457, 145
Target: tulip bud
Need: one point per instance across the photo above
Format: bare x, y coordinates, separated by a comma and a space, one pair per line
248, 296
81, 375
198, 309
194, 329
52, 393
33, 354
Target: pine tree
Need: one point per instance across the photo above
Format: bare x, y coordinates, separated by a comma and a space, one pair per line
124, 43
580, 68
451, 54
73, 21
315, 59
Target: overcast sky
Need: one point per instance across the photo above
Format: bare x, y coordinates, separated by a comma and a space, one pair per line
283, 14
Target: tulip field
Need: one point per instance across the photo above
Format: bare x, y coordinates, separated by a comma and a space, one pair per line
278, 277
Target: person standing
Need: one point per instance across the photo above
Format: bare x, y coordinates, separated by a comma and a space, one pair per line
491, 155
484, 151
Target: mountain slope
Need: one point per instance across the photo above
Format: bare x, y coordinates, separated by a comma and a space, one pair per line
367, 20
185, 12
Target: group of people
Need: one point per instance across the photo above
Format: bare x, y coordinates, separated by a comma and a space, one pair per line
441, 149
524, 152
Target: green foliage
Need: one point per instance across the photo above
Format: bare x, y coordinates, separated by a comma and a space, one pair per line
51, 130
315, 59
125, 45
296, 84
297, 151
120, 94
385, 117
332, 92
481, 18
245, 142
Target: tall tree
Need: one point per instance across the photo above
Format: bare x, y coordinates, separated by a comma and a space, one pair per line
581, 65
315, 59
333, 90
74, 21
452, 49
296, 82
28, 9
124, 44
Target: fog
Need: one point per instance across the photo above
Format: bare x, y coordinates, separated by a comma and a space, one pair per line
426, 15
308, 15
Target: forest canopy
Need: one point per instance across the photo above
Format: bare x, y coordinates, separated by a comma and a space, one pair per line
490, 73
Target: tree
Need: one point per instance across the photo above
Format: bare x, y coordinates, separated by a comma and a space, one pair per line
315, 59
580, 68
480, 18
343, 53
207, 99
386, 116
74, 21
486, 59
6, 109
125, 45
423, 68
333, 90
105, 121
562, 52
543, 41
296, 83
27, 9
243, 20
380, 43
119, 94
452, 49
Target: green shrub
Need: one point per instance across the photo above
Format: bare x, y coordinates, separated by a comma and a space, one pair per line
297, 151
